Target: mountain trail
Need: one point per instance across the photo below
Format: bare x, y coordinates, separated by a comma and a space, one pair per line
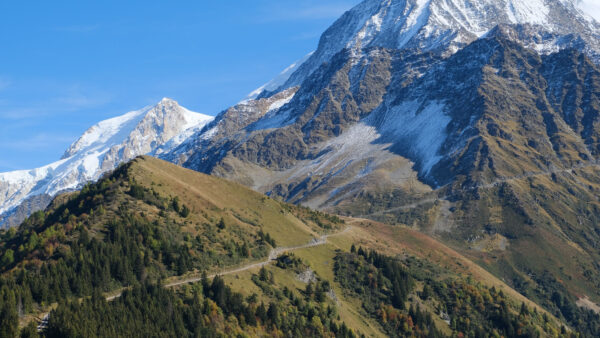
273, 255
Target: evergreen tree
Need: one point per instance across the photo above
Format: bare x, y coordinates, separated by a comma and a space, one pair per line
221, 224
261, 312
9, 320
273, 313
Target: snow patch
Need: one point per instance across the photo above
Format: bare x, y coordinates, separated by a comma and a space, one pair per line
274, 117
419, 15
195, 120
107, 131
530, 11
271, 121
422, 129
280, 103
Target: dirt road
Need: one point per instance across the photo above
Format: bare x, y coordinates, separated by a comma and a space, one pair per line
273, 255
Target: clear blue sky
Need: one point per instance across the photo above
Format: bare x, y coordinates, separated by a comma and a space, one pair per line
66, 65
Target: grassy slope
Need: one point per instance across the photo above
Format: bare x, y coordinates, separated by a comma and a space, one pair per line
399, 241
220, 198
211, 198
523, 226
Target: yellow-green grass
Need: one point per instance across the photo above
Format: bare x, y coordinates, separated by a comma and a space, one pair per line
211, 198
349, 309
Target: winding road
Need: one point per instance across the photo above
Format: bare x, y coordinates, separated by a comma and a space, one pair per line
273, 255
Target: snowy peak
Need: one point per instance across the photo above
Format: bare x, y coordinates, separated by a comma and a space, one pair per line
446, 26
432, 24
278, 81
167, 118
103, 147
104, 131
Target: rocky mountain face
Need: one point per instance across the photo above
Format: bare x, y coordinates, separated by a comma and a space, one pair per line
152, 130
472, 120
446, 26
393, 74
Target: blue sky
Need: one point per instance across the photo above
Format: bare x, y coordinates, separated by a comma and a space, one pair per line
66, 65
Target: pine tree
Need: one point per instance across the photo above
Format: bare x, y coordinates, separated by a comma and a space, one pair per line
524, 310
138, 267
273, 314
221, 224
9, 320
398, 297
261, 312
263, 275
185, 211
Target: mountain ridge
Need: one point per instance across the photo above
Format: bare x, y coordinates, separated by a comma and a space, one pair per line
154, 225
153, 129
439, 26
442, 136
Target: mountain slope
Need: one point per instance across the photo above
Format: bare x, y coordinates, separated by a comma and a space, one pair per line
446, 26
187, 203
361, 72
101, 148
474, 121
131, 229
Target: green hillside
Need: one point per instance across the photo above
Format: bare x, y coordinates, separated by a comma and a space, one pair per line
157, 250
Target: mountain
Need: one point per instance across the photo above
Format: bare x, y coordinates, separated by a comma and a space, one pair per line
367, 78
445, 26
153, 247
473, 121
151, 130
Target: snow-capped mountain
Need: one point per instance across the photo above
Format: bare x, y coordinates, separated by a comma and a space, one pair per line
151, 130
446, 26
478, 120
378, 69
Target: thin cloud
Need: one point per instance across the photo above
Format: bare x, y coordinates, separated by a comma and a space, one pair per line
80, 101
22, 113
67, 100
319, 12
38, 141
